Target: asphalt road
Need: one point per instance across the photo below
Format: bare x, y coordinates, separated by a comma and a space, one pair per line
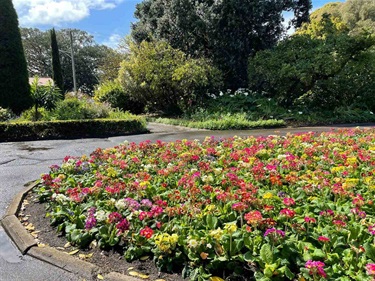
22, 162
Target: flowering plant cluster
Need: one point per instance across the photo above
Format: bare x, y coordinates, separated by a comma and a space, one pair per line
270, 208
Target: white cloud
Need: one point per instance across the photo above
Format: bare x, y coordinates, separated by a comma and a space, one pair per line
56, 12
113, 40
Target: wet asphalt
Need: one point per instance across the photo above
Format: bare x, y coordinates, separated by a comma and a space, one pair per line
22, 162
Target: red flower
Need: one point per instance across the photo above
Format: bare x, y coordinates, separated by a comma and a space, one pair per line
146, 232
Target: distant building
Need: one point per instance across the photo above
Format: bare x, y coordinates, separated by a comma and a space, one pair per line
43, 81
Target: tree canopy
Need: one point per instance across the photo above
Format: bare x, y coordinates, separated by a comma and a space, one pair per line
227, 32
88, 56
14, 82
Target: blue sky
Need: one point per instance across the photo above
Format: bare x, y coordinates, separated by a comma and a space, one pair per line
107, 20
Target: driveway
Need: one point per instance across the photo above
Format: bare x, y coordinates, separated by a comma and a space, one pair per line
22, 162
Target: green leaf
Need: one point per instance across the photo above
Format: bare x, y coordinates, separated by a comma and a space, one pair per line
288, 273
266, 253
370, 250
212, 221
248, 257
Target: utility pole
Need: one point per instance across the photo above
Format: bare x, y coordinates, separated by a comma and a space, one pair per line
73, 65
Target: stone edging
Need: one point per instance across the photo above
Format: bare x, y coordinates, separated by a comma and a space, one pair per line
28, 246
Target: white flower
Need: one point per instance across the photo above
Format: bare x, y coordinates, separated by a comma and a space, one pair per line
371, 112
193, 243
61, 198
300, 112
209, 246
120, 204
126, 142
101, 215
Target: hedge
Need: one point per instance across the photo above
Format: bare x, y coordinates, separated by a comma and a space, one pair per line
70, 129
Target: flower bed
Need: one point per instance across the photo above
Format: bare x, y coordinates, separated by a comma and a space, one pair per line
298, 207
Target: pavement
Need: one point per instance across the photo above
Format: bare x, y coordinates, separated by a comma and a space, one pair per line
23, 162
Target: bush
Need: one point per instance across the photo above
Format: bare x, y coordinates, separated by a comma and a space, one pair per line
113, 93
71, 129
330, 70
75, 109
5, 114
165, 78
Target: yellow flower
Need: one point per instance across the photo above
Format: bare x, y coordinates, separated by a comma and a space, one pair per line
216, 234
111, 172
268, 195
351, 160
230, 228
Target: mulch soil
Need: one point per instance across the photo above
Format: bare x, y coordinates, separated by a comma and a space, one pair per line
33, 217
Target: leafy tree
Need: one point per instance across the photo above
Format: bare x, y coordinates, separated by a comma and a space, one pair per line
109, 66
44, 96
166, 78
357, 15
227, 32
315, 68
56, 65
88, 56
14, 82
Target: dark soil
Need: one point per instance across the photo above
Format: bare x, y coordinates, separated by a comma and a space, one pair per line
33, 217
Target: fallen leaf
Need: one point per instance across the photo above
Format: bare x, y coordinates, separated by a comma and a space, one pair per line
73, 252
144, 258
130, 268
100, 277
41, 245
67, 245
84, 257
160, 280
30, 227
133, 273
143, 276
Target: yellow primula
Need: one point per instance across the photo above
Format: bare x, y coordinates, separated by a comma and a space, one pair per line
268, 195
166, 242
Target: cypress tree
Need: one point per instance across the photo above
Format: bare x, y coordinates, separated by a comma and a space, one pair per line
56, 65
14, 79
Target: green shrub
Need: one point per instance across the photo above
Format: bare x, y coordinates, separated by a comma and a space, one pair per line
113, 93
220, 121
5, 114
166, 79
29, 115
70, 129
75, 109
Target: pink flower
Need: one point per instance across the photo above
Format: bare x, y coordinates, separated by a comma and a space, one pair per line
309, 220
370, 267
371, 229
253, 217
122, 226
275, 232
323, 239
288, 213
315, 268
239, 206
289, 201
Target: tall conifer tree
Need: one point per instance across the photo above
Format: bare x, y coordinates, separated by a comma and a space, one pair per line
14, 80
56, 65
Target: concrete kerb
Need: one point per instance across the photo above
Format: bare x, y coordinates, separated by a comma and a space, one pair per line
27, 245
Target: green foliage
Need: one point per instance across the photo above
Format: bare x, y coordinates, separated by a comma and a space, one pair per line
5, 114
75, 109
14, 83
71, 129
165, 78
226, 32
113, 93
44, 96
56, 65
324, 71
88, 56
228, 121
